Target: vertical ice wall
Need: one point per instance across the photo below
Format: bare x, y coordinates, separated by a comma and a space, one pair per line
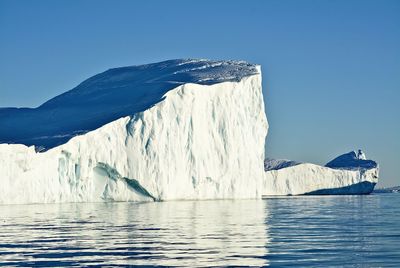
200, 142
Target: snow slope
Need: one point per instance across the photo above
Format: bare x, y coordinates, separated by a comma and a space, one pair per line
276, 164
352, 160
109, 96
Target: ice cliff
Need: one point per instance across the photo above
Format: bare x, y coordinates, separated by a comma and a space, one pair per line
179, 129
198, 134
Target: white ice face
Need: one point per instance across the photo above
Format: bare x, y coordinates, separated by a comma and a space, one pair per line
200, 142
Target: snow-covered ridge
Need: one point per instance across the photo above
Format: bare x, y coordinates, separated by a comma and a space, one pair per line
352, 160
275, 164
110, 95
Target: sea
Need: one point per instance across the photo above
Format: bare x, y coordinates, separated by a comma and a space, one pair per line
299, 231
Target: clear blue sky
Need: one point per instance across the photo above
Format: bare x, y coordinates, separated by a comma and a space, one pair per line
331, 69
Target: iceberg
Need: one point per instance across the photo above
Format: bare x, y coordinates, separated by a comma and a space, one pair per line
349, 173
178, 129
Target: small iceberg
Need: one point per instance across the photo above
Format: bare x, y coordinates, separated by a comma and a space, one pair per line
347, 174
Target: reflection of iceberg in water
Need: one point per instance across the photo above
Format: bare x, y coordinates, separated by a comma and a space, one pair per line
190, 233
221, 232
306, 231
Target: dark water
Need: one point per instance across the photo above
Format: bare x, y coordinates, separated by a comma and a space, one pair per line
354, 231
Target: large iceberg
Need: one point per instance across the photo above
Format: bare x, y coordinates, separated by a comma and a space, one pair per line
178, 129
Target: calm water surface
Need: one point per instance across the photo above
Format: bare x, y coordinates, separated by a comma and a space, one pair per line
355, 231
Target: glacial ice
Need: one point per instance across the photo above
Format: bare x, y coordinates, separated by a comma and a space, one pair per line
276, 164
354, 175
352, 160
110, 95
179, 129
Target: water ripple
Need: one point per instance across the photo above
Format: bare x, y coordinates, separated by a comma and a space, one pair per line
354, 231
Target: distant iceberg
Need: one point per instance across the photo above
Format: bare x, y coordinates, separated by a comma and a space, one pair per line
349, 173
178, 129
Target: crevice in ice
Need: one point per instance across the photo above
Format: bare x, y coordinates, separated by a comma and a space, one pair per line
133, 184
